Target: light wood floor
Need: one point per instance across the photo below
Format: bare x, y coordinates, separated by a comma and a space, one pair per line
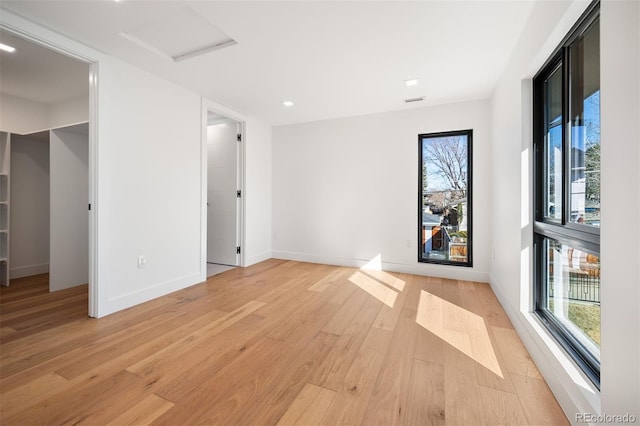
280, 342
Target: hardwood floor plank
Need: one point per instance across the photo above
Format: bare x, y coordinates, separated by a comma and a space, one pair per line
339, 323
286, 383
5, 331
389, 315
143, 413
502, 408
24, 288
136, 334
426, 384
516, 358
377, 340
63, 311
150, 336
30, 392
340, 274
200, 333
204, 360
229, 388
349, 405
90, 402
540, 407
280, 342
487, 305
463, 403
330, 374
12, 302
75, 334
498, 377
17, 315
309, 407
387, 403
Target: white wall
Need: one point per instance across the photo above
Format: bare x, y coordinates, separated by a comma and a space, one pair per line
69, 217
511, 186
22, 116
149, 186
29, 206
346, 190
620, 239
257, 191
71, 111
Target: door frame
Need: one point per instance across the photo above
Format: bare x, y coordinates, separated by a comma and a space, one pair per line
209, 105
93, 296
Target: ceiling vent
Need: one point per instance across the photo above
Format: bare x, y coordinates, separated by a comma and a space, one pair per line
408, 101
180, 36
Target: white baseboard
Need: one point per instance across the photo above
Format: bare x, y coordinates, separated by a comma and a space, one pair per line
27, 271
426, 269
574, 392
257, 258
144, 295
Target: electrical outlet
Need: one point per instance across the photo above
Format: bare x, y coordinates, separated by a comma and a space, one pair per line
409, 243
141, 262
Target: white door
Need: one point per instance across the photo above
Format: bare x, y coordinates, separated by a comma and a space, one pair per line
222, 197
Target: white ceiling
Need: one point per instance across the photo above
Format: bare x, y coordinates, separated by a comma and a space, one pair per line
331, 58
40, 75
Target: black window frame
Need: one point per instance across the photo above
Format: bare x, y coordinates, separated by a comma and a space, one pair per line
469, 135
581, 236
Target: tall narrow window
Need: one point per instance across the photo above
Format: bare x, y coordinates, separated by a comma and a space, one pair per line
444, 198
567, 194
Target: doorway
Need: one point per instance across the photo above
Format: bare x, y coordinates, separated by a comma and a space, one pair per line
49, 97
224, 136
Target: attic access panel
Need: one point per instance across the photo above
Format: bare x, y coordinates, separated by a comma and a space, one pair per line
180, 36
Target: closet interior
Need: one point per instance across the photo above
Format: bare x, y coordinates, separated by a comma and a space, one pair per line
44, 164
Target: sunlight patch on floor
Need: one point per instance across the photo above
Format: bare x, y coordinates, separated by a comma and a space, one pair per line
375, 288
464, 330
381, 285
373, 268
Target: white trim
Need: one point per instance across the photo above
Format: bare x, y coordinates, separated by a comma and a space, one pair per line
94, 155
148, 293
15, 24
257, 258
27, 271
203, 191
241, 258
431, 270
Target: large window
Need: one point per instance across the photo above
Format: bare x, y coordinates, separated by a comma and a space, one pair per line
567, 193
444, 198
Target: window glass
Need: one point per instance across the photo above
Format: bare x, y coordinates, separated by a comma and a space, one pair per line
553, 145
584, 184
573, 291
445, 198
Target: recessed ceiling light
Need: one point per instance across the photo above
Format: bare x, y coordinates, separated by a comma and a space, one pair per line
412, 82
287, 103
7, 48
